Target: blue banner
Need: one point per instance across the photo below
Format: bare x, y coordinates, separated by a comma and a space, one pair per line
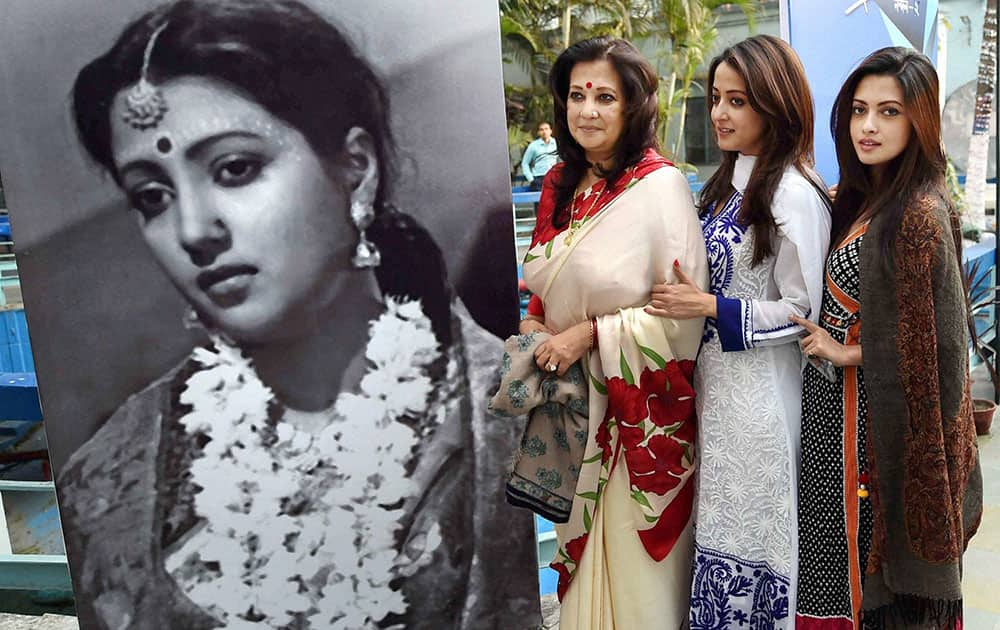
833, 36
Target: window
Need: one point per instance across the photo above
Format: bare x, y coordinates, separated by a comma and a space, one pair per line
699, 141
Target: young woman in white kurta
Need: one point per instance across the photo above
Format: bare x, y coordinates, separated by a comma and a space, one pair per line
764, 267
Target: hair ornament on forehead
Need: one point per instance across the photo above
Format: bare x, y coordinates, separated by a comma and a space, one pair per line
145, 106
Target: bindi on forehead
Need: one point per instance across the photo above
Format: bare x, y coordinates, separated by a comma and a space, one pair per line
181, 133
196, 109
590, 85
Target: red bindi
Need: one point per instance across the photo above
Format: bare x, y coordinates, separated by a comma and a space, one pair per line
589, 85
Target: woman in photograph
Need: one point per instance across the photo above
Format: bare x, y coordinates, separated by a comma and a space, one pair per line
325, 462
766, 225
613, 218
887, 507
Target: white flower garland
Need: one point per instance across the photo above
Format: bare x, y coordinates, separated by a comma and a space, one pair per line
296, 525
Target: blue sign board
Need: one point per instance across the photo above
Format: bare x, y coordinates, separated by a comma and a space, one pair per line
833, 36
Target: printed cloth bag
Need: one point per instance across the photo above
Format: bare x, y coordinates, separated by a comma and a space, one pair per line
547, 465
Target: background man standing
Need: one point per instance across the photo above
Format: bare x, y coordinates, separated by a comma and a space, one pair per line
539, 157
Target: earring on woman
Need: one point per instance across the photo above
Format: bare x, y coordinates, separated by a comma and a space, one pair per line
191, 320
366, 254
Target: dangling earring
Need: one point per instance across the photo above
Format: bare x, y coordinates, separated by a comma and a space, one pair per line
366, 255
191, 320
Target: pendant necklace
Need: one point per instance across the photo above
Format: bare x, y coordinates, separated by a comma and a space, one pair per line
574, 223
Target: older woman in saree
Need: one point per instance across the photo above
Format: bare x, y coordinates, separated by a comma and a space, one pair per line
325, 462
613, 217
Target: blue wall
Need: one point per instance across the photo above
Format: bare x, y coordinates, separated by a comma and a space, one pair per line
831, 38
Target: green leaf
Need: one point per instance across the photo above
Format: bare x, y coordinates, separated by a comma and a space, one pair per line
586, 518
598, 386
562, 554
641, 499
651, 519
657, 359
548, 248
588, 495
595, 458
529, 257
626, 372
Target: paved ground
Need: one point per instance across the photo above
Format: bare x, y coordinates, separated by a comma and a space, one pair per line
981, 584
981, 581
31, 622
550, 612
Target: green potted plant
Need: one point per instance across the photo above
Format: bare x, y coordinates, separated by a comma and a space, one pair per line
980, 297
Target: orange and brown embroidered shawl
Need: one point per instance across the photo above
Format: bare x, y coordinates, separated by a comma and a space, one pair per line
927, 484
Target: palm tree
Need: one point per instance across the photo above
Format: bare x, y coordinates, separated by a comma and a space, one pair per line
688, 27
534, 32
529, 39
526, 33
975, 179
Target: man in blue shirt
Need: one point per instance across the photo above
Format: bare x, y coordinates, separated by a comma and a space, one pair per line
539, 157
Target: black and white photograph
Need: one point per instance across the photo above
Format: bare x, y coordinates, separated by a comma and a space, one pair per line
266, 254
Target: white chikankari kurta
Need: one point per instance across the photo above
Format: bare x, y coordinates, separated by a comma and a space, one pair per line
749, 384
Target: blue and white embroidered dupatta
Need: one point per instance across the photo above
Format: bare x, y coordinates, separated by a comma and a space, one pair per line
748, 383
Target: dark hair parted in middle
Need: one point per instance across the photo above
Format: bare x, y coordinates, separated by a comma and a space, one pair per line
919, 168
299, 67
279, 53
640, 84
777, 90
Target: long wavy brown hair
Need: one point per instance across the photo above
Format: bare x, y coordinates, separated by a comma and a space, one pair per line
919, 168
640, 84
777, 90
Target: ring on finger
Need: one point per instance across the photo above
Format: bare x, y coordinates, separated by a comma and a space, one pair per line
551, 367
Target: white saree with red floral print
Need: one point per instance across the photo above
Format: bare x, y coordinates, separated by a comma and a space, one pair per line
624, 557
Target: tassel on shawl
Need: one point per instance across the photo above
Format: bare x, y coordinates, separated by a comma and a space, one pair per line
912, 611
